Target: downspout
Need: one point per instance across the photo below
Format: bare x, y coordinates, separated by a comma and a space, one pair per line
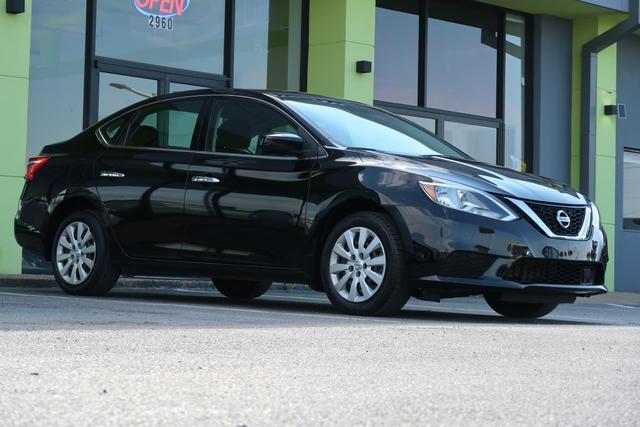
588, 113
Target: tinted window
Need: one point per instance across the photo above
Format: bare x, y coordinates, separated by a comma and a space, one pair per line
56, 71
477, 141
514, 91
267, 44
462, 70
396, 51
237, 126
424, 122
111, 130
181, 34
631, 190
118, 91
360, 126
166, 125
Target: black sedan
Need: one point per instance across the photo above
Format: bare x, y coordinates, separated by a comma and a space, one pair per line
251, 188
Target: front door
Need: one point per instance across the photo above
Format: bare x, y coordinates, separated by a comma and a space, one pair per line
141, 177
627, 239
245, 207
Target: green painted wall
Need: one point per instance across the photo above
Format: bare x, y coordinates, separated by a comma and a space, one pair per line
585, 29
15, 38
341, 32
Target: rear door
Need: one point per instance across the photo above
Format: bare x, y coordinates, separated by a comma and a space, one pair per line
244, 207
141, 177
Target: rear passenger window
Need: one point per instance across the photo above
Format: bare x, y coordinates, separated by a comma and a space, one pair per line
168, 125
111, 130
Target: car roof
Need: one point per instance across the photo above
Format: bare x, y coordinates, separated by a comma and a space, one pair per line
264, 94
255, 93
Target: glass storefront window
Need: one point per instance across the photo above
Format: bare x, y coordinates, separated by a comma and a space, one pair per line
396, 51
56, 72
180, 87
462, 69
477, 141
118, 91
180, 34
424, 122
514, 92
464, 42
267, 43
631, 190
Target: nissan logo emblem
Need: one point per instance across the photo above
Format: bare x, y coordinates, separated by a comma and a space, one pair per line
563, 219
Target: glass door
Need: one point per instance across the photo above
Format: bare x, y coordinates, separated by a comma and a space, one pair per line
117, 84
118, 91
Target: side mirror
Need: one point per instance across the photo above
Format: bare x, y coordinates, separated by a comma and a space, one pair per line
281, 143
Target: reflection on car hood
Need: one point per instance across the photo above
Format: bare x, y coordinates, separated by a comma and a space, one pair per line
483, 176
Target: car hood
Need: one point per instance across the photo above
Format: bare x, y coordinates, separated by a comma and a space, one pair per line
483, 176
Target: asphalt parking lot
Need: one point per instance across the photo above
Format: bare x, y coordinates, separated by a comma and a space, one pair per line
189, 356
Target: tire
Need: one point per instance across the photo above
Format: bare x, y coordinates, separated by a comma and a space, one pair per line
519, 310
241, 289
94, 273
355, 286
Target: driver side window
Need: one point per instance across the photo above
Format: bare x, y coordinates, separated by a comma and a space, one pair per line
237, 126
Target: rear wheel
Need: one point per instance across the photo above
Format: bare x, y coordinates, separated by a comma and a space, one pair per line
519, 310
80, 256
241, 289
363, 266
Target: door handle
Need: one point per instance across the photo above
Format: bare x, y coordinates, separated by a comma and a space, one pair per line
111, 174
205, 179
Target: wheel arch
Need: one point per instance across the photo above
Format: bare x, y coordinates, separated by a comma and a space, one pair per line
62, 210
339, 210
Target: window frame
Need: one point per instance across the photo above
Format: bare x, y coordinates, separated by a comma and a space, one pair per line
497, 122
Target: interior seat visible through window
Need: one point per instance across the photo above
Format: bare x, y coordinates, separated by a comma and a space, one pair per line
170, 125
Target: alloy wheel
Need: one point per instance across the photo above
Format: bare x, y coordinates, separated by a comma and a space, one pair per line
357, 264
75, 253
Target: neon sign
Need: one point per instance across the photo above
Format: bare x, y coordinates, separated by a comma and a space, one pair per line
162, 8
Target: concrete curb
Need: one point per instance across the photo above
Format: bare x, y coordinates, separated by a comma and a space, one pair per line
47, 281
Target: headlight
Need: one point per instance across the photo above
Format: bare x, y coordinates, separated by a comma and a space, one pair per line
466, 199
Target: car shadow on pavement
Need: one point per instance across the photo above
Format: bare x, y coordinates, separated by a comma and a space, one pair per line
308, 306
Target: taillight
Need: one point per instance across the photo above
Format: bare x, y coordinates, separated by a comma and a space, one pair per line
33, 165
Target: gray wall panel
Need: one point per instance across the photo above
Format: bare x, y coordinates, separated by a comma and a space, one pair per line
552, 97
627, 131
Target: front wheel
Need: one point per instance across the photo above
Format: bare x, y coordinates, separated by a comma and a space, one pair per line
363, 266
521, 310
241, 289
80, 256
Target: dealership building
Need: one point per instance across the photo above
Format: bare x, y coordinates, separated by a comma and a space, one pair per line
550, 87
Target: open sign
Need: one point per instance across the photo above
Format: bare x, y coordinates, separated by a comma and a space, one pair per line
162, 8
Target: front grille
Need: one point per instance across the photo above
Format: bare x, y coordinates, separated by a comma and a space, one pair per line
468, 265
548, 214
555, 272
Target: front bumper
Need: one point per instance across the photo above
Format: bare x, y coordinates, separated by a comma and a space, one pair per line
461, 253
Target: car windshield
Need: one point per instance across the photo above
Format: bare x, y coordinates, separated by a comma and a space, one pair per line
359, 126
